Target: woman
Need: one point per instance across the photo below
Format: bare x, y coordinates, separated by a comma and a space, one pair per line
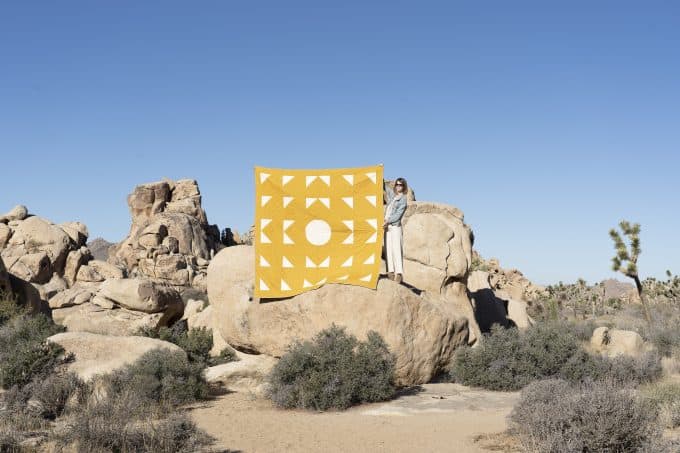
396, 206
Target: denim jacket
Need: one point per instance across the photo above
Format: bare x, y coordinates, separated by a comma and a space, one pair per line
398, 209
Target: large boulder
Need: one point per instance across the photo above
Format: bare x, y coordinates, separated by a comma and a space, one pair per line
116, 306
437, 246
142, 295
5, 234
77, 231
615, 342
108, 320
508, 283
98, 271
247, 374
421, 329
100, 354
36, 249
18, 212
491, 308
78, 294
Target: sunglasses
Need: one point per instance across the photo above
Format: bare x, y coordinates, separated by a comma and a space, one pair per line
398, 184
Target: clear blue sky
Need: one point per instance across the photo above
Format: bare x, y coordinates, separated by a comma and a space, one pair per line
545, 122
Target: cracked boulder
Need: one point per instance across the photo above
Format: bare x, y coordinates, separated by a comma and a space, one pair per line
437, 246
116, 306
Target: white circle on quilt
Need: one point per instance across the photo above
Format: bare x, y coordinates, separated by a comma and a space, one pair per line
318, 232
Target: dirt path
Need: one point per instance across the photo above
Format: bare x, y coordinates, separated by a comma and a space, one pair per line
438, 418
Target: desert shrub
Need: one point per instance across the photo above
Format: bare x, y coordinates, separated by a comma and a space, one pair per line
624, 370
507, 359
556, 416
333, 371
226, 355
126, 423
493, 363
24, 353
583, 331
45, 397
10, 441
196, 342
583, 366
9, 308
666, 339
161, 376
666, 396
51, 395
633, 370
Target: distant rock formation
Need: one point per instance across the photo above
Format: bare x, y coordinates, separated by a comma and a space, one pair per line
99, 248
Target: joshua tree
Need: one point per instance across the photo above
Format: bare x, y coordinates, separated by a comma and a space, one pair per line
625, 260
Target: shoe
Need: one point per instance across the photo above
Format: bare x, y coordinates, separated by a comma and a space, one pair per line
399, 278
390, 275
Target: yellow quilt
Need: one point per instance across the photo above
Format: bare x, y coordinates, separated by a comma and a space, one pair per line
317, 226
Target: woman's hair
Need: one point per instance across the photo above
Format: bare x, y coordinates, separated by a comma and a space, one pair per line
405, 185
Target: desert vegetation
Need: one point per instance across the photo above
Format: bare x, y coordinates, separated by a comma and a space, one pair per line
333, 371
574, 398
196, 342
137, 408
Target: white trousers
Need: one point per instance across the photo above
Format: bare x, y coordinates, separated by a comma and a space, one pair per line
393, 249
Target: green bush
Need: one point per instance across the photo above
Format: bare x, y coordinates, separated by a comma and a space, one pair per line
163, 377
24, 353
508, 359
555, 416
196, 342
333, 371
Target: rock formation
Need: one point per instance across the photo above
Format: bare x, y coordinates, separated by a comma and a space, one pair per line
116, 306
170, 240
507, 283
422, 330
491, 309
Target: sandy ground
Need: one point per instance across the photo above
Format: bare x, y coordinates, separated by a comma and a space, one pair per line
435, 418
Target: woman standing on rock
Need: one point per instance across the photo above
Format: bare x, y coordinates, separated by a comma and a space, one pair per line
396, 206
